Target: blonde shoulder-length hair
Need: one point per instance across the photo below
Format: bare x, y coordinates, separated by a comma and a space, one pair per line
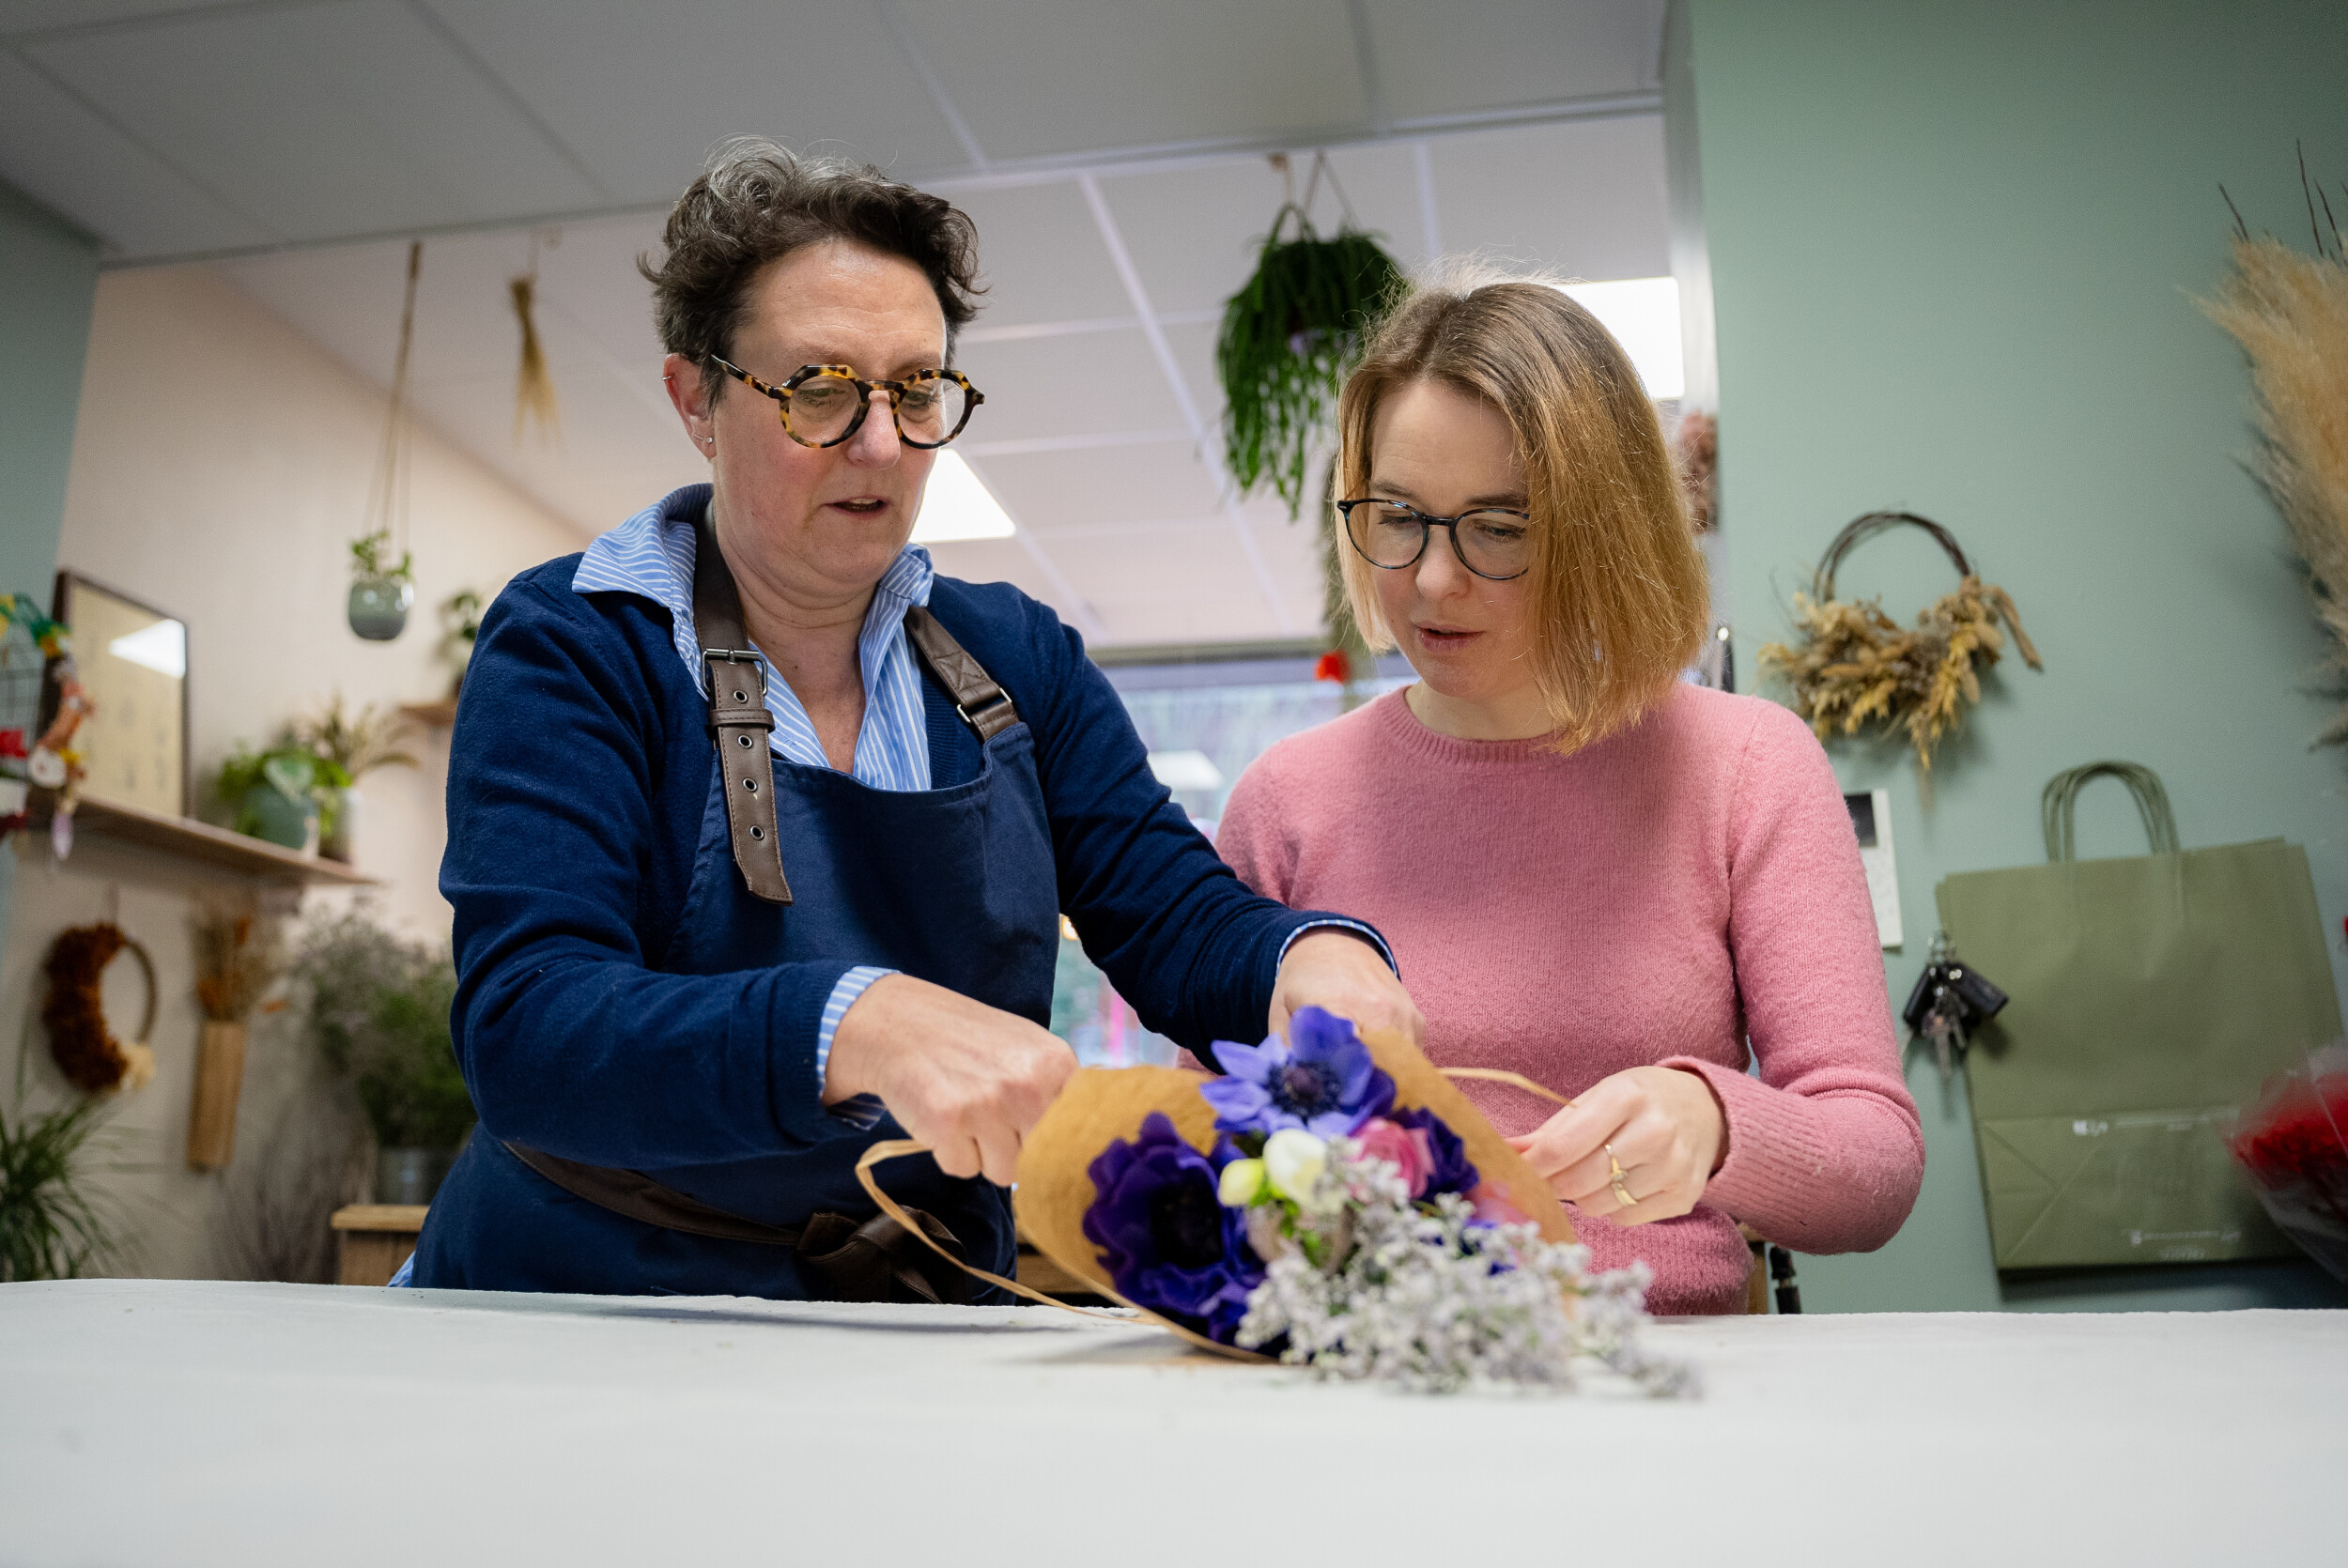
1618, 596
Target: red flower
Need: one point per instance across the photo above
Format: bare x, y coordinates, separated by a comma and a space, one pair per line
1333, 665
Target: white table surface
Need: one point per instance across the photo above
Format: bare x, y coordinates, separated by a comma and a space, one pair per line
168, 1423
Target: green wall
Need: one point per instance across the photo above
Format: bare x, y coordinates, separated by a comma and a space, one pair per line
1953, 248
51, 277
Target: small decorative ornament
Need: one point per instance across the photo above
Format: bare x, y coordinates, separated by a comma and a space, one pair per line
86, 1049
1854, 666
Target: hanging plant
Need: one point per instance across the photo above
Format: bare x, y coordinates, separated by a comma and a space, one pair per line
1289, 336
1854, 666
2290, 314
380, 593
534, 389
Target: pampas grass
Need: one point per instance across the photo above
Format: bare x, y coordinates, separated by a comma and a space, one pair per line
2290, 313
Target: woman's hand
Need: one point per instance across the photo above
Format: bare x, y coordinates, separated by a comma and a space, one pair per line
965, 1079
1337, 972
1667, 1132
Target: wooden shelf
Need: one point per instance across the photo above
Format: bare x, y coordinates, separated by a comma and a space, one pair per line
438, 714
217, 846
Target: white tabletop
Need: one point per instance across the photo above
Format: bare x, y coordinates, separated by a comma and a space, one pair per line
188, 1423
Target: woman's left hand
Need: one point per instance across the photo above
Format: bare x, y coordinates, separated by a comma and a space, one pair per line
1343, 975
1667, 1134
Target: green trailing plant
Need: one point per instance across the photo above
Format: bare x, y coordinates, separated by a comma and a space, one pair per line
1289, 337
49, 1228
370, 559
380, 1011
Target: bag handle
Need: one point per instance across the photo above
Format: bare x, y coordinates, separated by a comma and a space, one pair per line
2061, 797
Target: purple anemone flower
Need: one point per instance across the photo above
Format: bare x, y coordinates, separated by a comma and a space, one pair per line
1171, 1246
1452, 1173
1319, 1079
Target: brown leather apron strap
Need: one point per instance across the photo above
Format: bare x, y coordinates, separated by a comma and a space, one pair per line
981, 701
740, 723
840, 1258
738, 719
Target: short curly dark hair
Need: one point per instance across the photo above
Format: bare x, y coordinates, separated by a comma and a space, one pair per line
756, 203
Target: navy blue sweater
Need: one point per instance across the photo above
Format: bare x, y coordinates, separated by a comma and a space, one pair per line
578, 771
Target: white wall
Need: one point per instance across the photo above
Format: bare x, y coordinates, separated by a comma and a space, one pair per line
219, 468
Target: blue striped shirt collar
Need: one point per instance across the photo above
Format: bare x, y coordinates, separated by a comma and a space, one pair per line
651, 555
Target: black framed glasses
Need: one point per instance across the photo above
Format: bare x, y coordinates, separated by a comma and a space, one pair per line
824, 405
1493, 542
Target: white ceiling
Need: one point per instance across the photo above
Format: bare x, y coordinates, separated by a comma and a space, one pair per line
1109, 150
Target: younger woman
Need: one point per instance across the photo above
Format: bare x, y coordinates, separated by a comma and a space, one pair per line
1590, 873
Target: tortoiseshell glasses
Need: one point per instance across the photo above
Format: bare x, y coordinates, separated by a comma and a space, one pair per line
824, 405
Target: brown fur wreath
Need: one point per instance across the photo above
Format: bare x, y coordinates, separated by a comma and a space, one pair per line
86, 1050
1855, 665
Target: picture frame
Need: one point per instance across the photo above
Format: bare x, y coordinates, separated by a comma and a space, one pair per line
131, 659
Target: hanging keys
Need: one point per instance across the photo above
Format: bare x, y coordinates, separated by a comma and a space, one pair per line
1950, 1001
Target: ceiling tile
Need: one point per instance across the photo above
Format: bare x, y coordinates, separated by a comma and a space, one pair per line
640, 92
1193, 233
56, 151
1081, 384
1053, 491
1586, 198
1456, 59
334, 119
1000, 561
1033, 77
1041, 255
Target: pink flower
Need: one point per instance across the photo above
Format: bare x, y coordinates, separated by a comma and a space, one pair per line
1407, 1147
1493, 1207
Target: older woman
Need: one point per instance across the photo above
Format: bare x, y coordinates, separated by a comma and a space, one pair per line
1592, 875
759, 831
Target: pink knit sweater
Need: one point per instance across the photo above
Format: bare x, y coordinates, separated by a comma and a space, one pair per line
1659, 898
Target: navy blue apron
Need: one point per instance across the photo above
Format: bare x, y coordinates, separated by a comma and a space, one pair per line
956, 886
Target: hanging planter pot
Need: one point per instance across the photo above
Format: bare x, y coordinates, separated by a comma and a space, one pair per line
1290, 336
380, 595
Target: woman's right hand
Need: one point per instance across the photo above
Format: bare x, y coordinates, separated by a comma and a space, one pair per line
964, 1079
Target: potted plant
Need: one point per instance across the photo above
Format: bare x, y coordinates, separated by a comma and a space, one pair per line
460, 627
278, 795
380, 593
49, 1228
351, 745
379, 1009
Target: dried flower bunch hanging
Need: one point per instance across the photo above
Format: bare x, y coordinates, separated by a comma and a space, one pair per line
239, 955
1854, 666
2290, 314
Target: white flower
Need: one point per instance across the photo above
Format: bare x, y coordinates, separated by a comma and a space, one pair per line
1240, 1181
1293, 1159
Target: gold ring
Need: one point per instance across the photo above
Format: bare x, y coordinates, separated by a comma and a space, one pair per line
1613, 1178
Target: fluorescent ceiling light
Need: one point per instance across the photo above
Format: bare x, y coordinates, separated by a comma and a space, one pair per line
162, 647
1187, 770
958, 505
1644, 315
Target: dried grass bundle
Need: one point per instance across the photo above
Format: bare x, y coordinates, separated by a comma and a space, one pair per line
238, 956
2290, 314
1854, 666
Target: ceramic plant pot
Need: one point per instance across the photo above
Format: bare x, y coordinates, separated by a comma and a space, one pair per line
378, 608
270, 813
335, 845
410, 1176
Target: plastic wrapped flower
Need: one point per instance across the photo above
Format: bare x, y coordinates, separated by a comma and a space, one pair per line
1320, 1080
1170, 1244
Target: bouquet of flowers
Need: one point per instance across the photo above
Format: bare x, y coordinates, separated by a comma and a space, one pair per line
1332, 1201
2293, 1143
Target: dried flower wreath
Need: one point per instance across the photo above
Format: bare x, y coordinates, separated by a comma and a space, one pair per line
1854, 665
86, 1049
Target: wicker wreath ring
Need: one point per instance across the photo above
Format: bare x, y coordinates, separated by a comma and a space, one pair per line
86, 1050
1853, 666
